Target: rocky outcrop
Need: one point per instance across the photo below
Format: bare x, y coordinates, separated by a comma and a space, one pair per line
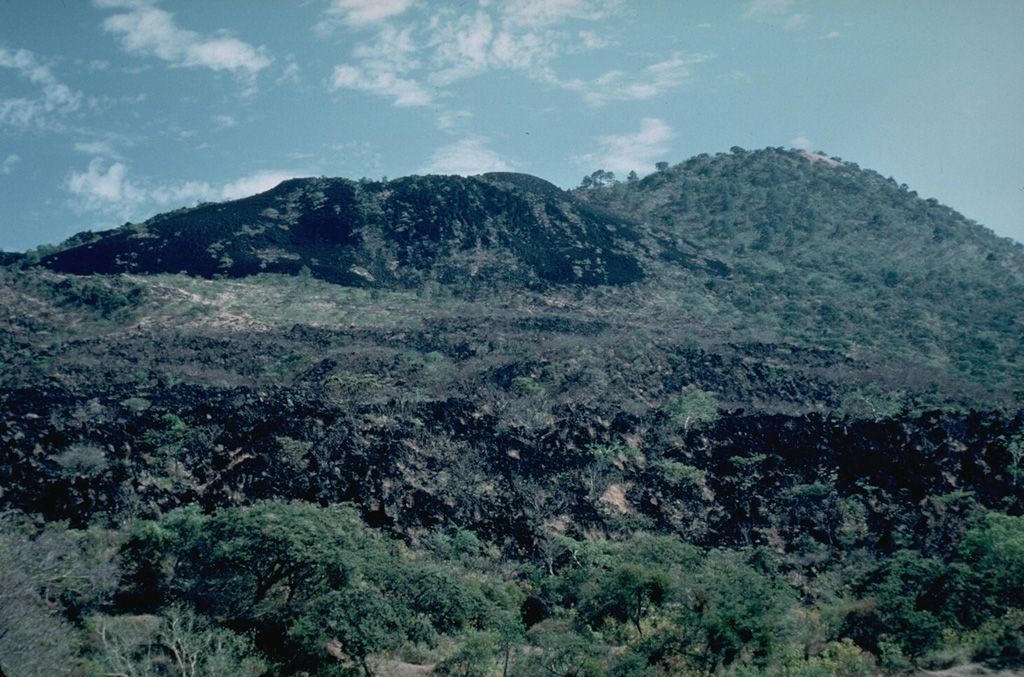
768, 479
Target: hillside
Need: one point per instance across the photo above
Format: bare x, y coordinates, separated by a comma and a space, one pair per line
767, 247
507, 229
764, 370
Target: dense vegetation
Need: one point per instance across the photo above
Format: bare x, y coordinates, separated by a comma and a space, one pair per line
315, 590
755, 414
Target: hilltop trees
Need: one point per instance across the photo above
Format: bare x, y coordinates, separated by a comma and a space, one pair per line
599, 179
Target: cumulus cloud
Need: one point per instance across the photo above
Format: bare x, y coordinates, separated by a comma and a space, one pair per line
46, 104
466, 157
632, 152
147, 30
109, 190
105, 188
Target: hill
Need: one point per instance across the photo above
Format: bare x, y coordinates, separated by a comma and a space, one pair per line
769, 365
769, 247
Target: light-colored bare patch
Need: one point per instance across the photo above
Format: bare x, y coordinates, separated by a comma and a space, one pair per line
396, 668
224, 308
252, 230
615, 496
363, 273
556, 525
274, 254
817, 157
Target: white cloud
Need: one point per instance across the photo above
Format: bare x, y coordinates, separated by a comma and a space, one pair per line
360, 12
451, 120
394, 50
106, 188
382, 69
10, 163
224, 121
147, 30
542, 13
466, 157
253, 184
291, 74
618, 85
50, 100
406, 92
592, 41
109, 190
463, 48
523, 51
632, 152
431, 51
520, 37
101, 148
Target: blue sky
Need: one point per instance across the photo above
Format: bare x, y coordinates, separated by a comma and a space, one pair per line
116, 110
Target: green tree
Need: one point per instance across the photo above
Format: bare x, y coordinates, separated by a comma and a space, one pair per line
267, 559
628, 594
475, 656
599, 178
510, 632
692, 407
360, 618
259, 567
738, 605
438, 593
560, 646
905, 612
987, 577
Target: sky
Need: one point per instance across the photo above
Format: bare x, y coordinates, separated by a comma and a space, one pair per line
116, 110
